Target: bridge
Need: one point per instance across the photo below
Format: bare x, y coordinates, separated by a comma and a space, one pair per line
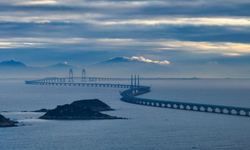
84, 78
128, 79
95, 79
129, 96
134, 89
40, 82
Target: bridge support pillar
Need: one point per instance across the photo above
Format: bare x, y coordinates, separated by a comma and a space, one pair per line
246, 113
138, 81
135, 84
198, 108
71, 76
166, 105
206, 109
83, 75
131, 82
237, 112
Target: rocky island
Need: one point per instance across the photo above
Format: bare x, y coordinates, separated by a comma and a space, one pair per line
4, 122
93, 104
82, 109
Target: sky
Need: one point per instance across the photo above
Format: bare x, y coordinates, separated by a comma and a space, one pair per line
197, 37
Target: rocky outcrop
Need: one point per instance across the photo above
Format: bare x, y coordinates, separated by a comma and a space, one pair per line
72, 112
93, 104
4, 122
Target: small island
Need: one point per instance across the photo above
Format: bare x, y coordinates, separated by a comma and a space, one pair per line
93, 104
80, 110
5, 122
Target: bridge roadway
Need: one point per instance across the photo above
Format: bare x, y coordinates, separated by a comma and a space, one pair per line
93, 79
128, 79
130, 96
79, 84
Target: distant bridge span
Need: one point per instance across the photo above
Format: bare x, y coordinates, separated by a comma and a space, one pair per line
133, 91
79, 84
95, 79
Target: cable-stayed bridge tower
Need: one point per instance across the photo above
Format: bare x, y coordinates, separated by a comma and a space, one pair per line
71, 78
84, 75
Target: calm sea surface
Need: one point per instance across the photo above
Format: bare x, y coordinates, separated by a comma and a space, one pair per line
150, 128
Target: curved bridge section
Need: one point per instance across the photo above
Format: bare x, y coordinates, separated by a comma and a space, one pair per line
129, 96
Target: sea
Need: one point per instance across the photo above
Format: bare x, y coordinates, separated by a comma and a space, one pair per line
148, 128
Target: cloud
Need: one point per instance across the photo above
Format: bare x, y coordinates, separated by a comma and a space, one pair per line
114, 44
165, 62
181, 21
231, 54
37, 2
11, 44
225, 48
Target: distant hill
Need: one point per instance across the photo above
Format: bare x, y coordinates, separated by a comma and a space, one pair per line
16, 69
114, 67
124, 62
118, 60
12, 63
125, 66
60, 65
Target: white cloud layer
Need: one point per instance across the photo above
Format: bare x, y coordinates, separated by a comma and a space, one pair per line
180, 21
37, 2
165, 62
223, 48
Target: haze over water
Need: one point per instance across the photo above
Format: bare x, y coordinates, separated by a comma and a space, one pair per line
149, 127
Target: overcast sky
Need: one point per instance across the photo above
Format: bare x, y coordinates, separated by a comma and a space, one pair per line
191, 35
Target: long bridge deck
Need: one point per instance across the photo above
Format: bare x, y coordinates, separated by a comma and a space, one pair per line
79, 84
93, 79
130, 96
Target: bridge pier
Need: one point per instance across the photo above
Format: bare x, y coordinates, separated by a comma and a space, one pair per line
246, 113
237, 112
199, 108
71, 79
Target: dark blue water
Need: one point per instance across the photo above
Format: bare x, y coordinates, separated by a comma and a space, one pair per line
148, 128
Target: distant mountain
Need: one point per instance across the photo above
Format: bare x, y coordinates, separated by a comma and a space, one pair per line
61, 66
11, 69
125, 66
124, 61
15, 69
114, 67
12, 63
118, 60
